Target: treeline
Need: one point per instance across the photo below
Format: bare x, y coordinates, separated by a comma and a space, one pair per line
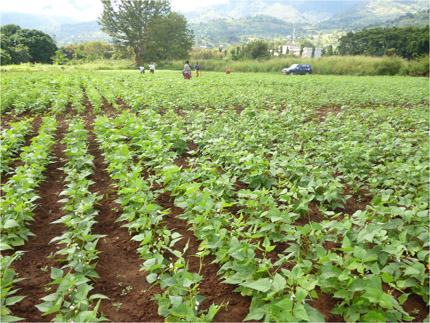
25, 45
408, 42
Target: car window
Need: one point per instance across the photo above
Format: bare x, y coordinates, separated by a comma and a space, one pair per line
294, 66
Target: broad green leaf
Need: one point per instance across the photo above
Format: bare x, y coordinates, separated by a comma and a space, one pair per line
261, 285
313, 314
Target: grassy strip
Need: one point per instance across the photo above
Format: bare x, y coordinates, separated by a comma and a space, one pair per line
330, 65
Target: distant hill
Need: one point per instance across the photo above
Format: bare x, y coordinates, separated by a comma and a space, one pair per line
291, 11
418, 19
77, 33
230, 31
238, 21
373, 12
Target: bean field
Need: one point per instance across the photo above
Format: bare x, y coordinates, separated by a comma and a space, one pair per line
226, 198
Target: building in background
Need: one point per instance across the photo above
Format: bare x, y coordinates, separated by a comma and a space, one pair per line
295, 50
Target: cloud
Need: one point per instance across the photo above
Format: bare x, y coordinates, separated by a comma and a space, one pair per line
86, 10
81, 10
190, 5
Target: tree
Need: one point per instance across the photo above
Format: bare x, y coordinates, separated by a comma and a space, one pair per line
59, 58
171, 39
23, 45
131, 23
408, 42
257, 49
9, 30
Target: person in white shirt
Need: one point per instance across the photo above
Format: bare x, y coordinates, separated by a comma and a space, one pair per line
152, 68
187, 71
142, 69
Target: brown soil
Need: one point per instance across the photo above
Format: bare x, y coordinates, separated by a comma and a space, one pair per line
6, 118
322, 112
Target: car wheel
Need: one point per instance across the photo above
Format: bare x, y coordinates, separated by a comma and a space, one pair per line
291, 73
307, 73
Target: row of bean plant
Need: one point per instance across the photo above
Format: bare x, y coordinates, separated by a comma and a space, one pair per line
72, 300
11, 140
179, 298
17, 204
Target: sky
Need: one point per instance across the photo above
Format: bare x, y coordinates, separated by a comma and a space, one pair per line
84, 10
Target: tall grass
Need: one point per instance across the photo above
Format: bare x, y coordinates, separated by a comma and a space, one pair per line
331, 65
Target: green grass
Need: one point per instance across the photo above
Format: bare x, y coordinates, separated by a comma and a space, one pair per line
331, 65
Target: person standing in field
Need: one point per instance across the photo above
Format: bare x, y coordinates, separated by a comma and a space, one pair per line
197, 68
152, 68
142, 69
187, 71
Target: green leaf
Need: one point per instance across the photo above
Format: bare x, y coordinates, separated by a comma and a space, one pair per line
10, 224
285, 304
180, 310
45, 306
56, 273
300, 312
359, 252
151, 278
375, 269
357, 285
313, 314
98, 296
175, 300
403, 298
279, 283
261, 285
385, 301
13, 300
255, 314
372, 316
342, 293
417, 269
10, 318
373, 295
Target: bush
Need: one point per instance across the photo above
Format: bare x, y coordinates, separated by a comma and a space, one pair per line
388, 66
418, 67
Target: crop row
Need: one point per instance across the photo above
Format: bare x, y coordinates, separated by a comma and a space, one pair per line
17, 205
11, 140
179, 297
71, 300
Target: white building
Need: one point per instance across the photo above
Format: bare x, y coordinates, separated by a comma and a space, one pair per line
295, 50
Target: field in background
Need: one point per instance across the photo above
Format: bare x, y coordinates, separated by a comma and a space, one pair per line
224, 198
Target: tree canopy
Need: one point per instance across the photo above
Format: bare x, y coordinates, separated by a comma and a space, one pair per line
408, 42
257, 49
148, 27
25, 45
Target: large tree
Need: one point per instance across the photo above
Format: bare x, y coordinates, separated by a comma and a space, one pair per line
137, 24
171, 39
23, 45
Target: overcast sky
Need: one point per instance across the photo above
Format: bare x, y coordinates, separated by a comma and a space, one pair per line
84, 10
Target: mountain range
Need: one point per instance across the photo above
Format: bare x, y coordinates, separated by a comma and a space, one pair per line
238, 21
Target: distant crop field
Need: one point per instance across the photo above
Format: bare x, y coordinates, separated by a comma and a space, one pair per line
227, 198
